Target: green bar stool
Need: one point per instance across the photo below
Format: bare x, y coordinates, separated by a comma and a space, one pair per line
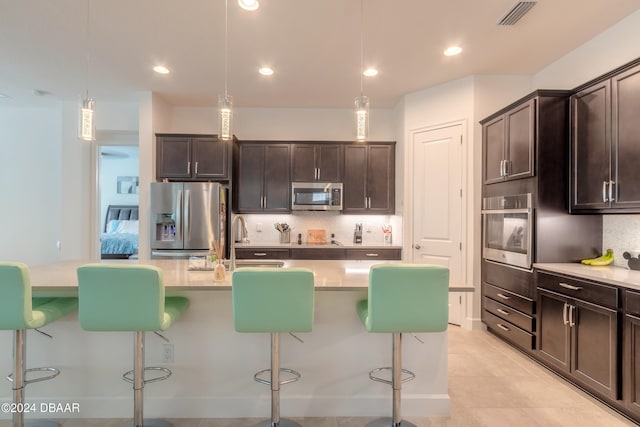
403, 298
129, 298
273, 300
19, 311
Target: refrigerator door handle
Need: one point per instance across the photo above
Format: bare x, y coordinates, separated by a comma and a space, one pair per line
179, 215
187, 214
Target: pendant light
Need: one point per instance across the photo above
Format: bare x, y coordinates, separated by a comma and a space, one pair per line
86, 116
225, 102
362, 102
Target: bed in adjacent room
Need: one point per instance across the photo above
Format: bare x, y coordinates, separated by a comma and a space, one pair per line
119, 239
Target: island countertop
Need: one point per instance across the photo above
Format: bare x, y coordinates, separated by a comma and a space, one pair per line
328, 275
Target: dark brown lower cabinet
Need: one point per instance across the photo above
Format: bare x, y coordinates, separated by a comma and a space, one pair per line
579, 338
631, 350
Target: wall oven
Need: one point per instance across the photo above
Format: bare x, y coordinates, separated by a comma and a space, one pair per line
507, 224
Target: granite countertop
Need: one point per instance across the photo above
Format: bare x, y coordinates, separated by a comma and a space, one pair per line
312, 246
608, 274
348, 275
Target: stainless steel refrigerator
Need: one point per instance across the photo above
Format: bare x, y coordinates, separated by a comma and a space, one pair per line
186, 217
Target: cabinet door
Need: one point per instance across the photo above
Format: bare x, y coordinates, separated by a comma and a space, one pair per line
591, 147
173, 157
250, 177
381, 179
329, 161
277, 180
631, 376
626, 138
520, 142
303, 164
493, 138
553, 334
210, 157
355, 177
594, 360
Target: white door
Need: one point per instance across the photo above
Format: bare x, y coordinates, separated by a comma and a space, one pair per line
437, 201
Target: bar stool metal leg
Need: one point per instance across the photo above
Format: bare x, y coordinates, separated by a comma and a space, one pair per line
396, 385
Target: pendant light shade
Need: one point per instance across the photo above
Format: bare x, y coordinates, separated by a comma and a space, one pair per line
86, 123
225, 113
362, 118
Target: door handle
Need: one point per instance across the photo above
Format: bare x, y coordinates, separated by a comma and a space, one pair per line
503, 296
611, 184
501, 326
196, 169
604, 191
188, 168
572, 309
187, 214
570, 287
501, 167
502, 311
417, 246
564, 314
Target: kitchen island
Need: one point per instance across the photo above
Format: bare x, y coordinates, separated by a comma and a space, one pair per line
213, 365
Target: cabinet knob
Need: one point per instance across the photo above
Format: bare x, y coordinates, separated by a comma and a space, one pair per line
417, 246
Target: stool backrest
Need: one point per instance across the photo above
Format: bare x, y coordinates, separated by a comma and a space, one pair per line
15, 296
120, 297
272, 299
408, 298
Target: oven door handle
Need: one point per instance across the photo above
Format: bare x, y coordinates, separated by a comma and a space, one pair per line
505, 211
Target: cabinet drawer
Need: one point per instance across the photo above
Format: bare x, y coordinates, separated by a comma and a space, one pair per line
586, 291
373, 254
511, 279
258, 253
509, 314
632, 303
510, 332
509, 299
320, 254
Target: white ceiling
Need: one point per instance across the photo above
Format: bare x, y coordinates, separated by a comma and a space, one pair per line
314, 47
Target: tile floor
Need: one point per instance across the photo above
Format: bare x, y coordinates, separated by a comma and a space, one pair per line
490, 384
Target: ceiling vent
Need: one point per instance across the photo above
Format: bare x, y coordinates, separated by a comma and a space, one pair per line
516, 12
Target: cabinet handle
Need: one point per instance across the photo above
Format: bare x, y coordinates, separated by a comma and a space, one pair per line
501, 326
501, 311
372, 254
506, 168
564, 314
259, 254
604, 191
188, 168
572, 309
196, 169
611, 184
503, 296
263, 202
318, 174
501, 168
570, 287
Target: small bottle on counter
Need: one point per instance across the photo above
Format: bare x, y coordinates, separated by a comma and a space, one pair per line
299, 238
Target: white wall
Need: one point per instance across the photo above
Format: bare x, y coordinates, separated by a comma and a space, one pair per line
30, 149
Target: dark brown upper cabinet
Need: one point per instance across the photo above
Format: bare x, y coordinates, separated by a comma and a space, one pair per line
321, 162
509, 143
192, 158
369, 179
605, 143
263, 182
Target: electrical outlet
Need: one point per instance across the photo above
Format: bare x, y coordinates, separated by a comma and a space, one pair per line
167, 353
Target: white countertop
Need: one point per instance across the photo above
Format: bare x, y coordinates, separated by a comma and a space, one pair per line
329, 275
612, 275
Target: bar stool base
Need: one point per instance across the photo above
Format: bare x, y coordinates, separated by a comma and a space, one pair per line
41, 423
154, 423
388, 422
284, 422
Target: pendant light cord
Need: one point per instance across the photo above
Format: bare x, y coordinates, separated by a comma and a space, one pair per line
88, 47
361, 43
226, 44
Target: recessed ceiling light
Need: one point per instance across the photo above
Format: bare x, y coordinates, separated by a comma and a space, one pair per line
4, 96
249, 4
370, 72
266, 71
453, 50
161, 69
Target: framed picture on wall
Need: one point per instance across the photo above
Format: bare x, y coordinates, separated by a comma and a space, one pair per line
128, 184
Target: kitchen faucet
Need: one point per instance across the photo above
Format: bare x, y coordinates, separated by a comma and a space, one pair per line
244, 238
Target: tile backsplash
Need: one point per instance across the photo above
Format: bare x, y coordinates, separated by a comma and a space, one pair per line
621, 233
262, 230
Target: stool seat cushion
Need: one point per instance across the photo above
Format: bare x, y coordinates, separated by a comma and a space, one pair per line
18, 310
272, 299
406, 298
125, 298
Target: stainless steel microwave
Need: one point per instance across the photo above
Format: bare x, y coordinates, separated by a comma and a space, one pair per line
316, 196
